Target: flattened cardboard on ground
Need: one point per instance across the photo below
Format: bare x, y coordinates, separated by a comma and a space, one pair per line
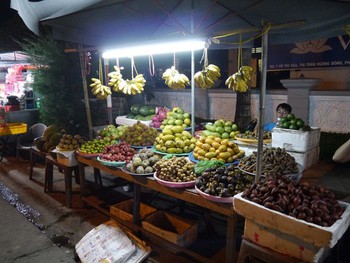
111, 243
311, 233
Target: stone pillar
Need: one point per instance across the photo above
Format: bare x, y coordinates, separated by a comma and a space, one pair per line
298, 95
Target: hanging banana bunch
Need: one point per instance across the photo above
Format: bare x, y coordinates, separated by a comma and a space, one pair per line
129, 87
206, 78
174, 79
240, 80
115, 77
98, 89
133, 86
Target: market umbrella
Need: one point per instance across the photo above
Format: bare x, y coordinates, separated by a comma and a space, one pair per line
115, 22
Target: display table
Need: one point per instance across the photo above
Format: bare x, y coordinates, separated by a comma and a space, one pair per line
187, 195
8, 130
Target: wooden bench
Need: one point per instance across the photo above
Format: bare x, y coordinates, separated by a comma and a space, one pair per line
50, 162
34, 152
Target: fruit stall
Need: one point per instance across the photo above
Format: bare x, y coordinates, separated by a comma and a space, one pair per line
155, 150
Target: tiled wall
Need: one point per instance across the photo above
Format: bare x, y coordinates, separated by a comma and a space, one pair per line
329, 111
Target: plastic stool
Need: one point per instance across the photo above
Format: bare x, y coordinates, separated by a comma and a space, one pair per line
249, 252
68, 174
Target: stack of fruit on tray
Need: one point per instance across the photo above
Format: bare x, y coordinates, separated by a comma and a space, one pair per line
177, 117
215, 148
293, 123
120, 152
175, 170
107, 136
159, 117
174, 140
222, 129
223, 181
70, 142
139, 134
275, 162
92, 147
111, 133
143, 162
51, 138
141, 112
312, 203
253, 136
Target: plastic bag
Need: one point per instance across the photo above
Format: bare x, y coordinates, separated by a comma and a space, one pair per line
201, 166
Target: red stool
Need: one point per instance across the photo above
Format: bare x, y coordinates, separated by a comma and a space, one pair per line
68, 174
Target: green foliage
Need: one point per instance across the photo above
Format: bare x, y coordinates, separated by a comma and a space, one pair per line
57, 81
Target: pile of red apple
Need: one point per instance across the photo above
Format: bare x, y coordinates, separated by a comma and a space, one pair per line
121, 152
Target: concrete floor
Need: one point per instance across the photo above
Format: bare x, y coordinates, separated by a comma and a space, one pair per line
37, 225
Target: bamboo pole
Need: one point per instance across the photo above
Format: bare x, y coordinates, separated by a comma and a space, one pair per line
86, 94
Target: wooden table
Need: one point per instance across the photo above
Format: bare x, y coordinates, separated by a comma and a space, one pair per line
10, 129
187, 195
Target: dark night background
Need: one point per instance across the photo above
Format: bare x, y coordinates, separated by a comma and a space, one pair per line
12, 28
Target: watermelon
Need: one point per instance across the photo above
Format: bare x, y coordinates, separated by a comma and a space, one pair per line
147, 110
135, 109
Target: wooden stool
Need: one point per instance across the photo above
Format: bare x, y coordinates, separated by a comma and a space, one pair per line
33, 153
68, 174
249, 252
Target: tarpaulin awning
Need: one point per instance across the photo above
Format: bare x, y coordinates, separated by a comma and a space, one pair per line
118, 22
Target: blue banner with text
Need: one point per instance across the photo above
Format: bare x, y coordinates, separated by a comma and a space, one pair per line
331, 52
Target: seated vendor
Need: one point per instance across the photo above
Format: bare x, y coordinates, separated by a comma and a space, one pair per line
282, 110
342, 154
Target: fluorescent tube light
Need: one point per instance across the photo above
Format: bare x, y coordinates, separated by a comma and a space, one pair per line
152, 49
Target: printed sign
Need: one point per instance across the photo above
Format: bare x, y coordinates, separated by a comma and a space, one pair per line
329, 52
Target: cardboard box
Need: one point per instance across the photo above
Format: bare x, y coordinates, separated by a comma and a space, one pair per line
123, 120
308, 158
283, 243
295, 140
288, 235
68, 158
180, 231
123, 210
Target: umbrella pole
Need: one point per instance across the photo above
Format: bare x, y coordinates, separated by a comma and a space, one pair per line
192, 94
86, 94
262, 105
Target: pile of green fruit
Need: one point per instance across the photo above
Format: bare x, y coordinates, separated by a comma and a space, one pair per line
94, 146
139, 134
141, 112
176, 117
111, 133
222, 129
51, 138
293, 123
174, 140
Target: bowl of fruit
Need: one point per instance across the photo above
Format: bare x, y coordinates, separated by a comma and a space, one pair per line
116, 155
